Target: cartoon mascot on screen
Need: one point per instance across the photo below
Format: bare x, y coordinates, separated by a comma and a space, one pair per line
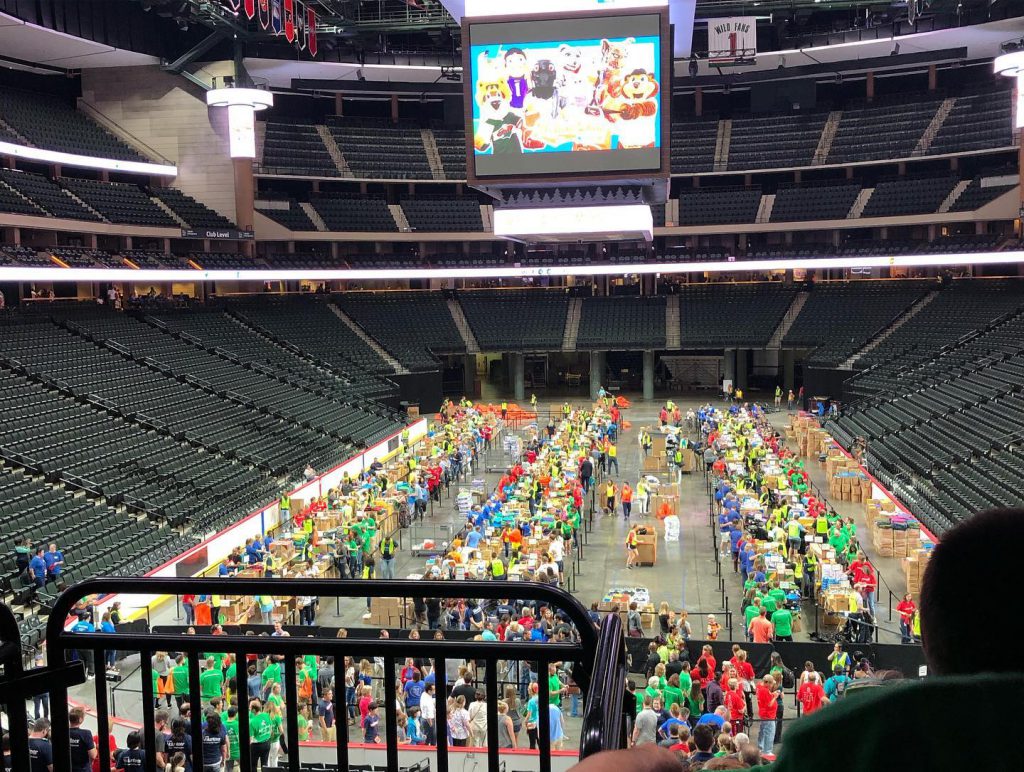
499, 128
541, 106
613, 63
635, 111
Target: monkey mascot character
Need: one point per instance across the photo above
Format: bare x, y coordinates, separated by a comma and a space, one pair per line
634, 112
499, 128
541, 106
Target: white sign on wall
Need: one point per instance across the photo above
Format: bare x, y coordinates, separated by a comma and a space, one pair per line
732, 41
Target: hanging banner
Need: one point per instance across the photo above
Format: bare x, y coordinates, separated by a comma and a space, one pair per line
300, 25
289, 20
265, 14
250, 9
732, 41
276, 22
311, 31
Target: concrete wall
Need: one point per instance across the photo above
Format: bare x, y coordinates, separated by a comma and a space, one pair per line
169, 114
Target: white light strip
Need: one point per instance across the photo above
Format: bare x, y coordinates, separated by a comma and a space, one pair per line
524, 7
255, 98
86, 161
582, 220
273, 274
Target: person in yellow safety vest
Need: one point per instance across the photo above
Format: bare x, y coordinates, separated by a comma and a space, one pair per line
504, 410
533, 402
811, 567
677, 458
388, 548
793, 529
269, 564
405, 437
645, 440
609, 495
821, 525
497, 568
739, 395
285, 506
641, 496
613, 458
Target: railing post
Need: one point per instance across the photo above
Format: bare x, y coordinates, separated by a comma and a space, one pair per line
148, 703
543, 716
195, 703
391, 712
491, 683
242, 686
291, 719
441, 704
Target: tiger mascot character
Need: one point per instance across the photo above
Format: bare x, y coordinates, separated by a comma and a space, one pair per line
635, 111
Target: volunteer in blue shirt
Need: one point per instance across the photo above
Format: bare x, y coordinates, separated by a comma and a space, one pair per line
37, 568
54, 561
473, 538
82, 627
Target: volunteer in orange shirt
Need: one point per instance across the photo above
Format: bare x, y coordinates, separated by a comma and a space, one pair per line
626, 496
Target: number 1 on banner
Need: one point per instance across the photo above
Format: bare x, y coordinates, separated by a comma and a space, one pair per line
732, 44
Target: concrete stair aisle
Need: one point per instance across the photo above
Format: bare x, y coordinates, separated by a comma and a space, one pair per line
459, 317
400, 219
858, 205
170, 212
877, 340
828, 135
487, 216
71, 195
334, 151
764, 208
673, 333
928, 136
954, 194
314, 216
775, 341
19, 194
722, 142
572, 324
393, 363
433, 156
11, 130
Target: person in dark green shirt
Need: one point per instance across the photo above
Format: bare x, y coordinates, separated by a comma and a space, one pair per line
231, 727
782, 619
211, 681
180, 675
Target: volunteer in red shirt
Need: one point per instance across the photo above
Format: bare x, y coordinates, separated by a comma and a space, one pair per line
767, 710
811, 694
736, 704
907, 609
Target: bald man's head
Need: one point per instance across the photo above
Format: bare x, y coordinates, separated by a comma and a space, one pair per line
963, 580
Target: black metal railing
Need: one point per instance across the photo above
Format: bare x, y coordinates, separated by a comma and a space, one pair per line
597, 657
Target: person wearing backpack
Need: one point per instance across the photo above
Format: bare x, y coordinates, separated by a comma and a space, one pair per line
303, 682
835, 687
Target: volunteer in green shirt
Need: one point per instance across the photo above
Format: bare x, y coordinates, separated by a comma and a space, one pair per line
752, 611
211, 682
271, 675
231, 727
260, 730
555, 687
180, 675
673, 694
783, 621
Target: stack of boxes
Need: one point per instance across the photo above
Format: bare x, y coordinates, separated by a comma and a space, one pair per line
390, 612
914, 567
